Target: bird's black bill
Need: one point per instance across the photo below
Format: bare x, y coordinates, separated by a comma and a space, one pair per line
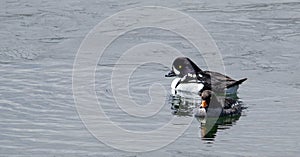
170, 74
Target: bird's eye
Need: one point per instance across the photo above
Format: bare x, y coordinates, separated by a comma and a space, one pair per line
179, 66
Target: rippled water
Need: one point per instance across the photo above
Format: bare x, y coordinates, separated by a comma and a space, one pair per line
39, 41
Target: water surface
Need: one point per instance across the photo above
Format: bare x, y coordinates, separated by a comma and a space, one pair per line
39, 41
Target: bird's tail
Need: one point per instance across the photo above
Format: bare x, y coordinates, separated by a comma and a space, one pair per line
237, 82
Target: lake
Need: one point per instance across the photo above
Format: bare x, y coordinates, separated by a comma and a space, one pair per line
40, 96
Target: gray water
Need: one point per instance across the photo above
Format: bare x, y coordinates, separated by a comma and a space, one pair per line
39, 41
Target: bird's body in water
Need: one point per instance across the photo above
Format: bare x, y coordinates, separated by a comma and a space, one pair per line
190, 74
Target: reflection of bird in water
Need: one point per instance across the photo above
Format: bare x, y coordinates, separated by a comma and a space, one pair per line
209, 129
216, 106
222, 112
183, 106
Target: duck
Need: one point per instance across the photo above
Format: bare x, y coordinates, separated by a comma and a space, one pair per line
189, 77
217, 106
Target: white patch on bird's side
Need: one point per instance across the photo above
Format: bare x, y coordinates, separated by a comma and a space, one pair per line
174, 83
176, 71
190, 87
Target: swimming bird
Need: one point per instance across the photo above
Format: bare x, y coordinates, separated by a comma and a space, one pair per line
217, 106
189, 77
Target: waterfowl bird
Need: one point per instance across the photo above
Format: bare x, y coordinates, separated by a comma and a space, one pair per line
217, 106
189, 77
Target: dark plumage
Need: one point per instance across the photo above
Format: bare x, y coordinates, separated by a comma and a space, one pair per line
185, 67
228, 106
